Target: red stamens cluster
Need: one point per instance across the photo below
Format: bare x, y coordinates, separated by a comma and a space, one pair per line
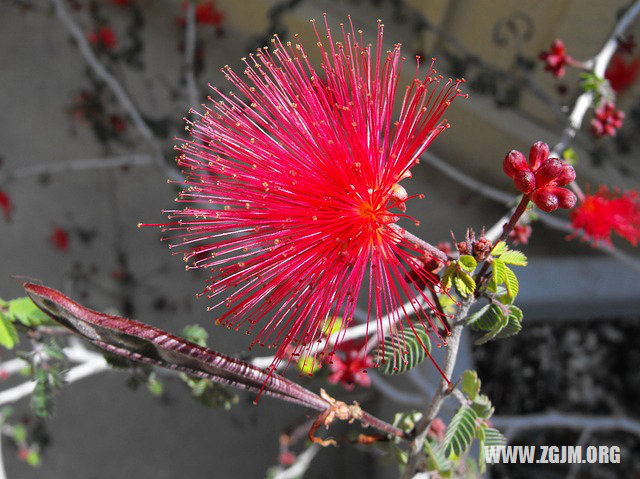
291, 194
541, 178
604, 212
607, 120
556, 58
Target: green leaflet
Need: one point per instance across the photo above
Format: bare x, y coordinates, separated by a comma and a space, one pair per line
460, 432
8, 333
470, 384
515, 258
397, 361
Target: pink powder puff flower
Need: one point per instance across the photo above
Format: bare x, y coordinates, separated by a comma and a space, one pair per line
291, 185
601, 214
59, 239
349, 367
606, 120
622, 75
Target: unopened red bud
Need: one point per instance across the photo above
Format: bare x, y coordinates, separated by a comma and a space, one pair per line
514, 162
463, 247
482, 248
566, 198
545, 199
567, 175
525, 181
538, 154
550, 170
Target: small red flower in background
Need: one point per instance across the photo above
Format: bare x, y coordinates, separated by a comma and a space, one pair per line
542, 177
5, 206
520, 234
604, 212
556, 58
606, 120
206, 14
621, 74
121, 2
59, 239
348, 367
104, 37
117, 123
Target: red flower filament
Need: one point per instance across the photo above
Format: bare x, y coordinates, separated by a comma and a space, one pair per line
301, 171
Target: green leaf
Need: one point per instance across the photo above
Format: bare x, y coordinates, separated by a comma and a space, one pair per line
498, 249
8, 333
27, 313
515, 258
395, 360
436, 460
490, 315
460, 432
33, 458
514, 325
154, 385
468, 263
493, 333
447, 276
19, 433
470, 384
465, 284
493, 437
196, 334
48, 382
570, 156
477, 315
511, 282
482, 406
498, 271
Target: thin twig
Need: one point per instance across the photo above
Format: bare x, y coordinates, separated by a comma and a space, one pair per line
441, 393
114, 85
189, 54
73, 166
505, 198
516, 424
90, 363
298, 468
585, 100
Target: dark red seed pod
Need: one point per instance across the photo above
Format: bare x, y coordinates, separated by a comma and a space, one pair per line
525, 181
566, 176
545, 199
538, 154
549, 172
482, 248
514, 162
566, 198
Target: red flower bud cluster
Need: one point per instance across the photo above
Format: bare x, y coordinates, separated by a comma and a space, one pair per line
542, 177
606, 120
556, 59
